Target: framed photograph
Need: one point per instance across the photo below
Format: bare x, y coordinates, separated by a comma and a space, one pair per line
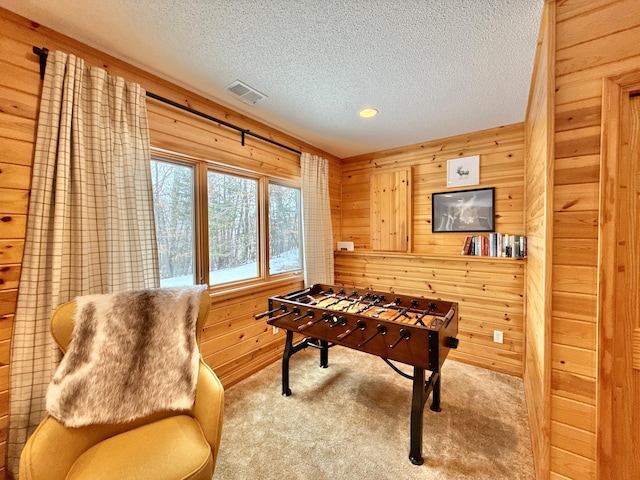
464, 211
463, 172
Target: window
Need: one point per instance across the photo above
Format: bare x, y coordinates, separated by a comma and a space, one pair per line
173, 203
233, 228
285, 254
221, 226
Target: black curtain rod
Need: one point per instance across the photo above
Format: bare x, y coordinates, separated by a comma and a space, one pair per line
43, 53
242, 131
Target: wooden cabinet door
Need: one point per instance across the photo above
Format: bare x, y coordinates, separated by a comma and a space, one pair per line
390, 194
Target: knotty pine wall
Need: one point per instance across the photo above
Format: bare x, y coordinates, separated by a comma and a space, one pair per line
490, 291
593, 40
234, 344
539, 220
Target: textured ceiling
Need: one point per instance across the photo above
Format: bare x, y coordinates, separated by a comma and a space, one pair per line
433, 68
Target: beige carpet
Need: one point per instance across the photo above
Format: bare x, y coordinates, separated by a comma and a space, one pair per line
351, 421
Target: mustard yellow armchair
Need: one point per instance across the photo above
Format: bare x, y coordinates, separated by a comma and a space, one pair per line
166, 445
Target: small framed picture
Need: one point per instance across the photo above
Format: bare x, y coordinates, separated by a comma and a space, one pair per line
464, 211
463, 172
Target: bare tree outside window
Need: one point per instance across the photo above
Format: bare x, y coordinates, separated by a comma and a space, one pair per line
233, 228
285, 254
173, 208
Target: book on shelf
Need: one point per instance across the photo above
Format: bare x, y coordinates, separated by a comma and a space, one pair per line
466, 246
495, 245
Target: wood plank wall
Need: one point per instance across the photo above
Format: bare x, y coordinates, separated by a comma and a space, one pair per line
538, 201
234, 344
594, 39
490, 291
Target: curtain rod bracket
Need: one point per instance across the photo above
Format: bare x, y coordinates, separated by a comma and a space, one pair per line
247, 132
43, 53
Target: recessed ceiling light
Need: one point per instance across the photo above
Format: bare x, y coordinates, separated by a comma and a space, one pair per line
368, 112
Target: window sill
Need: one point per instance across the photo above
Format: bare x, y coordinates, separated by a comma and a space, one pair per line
255, 286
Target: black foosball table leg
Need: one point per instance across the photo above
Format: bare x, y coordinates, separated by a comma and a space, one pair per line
324, 354
421, 392
288, 351
435, 399
418, 400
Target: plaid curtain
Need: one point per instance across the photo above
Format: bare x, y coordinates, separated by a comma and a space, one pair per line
316, 220
90, 227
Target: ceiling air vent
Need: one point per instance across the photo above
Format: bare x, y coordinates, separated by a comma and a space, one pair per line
245, 93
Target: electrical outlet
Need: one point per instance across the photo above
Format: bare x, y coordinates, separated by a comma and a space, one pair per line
275, 329
498, 336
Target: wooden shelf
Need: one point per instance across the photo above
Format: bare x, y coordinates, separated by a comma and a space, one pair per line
379, 253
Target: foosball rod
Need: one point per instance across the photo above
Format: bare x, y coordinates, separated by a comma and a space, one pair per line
380, 330
340, 321
371, 304
351, 304
340, 299
270, 312
401, 313
295, 310
430, 308
298, 294
404, 335
302, 328
309, 314
360, 325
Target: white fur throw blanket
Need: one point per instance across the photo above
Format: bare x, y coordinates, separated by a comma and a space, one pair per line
131, 354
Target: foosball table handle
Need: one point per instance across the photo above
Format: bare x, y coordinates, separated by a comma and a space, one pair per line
451, 342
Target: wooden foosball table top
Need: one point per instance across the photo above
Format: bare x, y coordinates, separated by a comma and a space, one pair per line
414, 330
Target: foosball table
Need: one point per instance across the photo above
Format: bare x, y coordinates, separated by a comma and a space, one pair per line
415, 331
